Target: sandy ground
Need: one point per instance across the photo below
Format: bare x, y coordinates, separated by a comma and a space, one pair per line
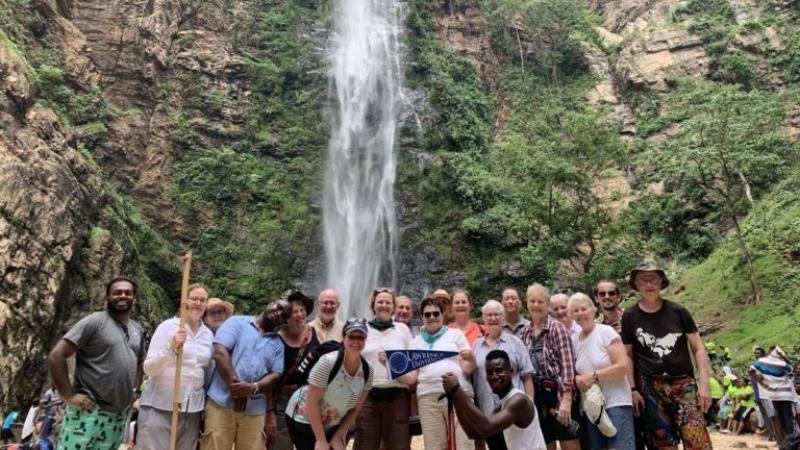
720, 441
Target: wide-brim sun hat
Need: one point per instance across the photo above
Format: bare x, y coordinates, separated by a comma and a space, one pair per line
647, 267
228, 306
294, 295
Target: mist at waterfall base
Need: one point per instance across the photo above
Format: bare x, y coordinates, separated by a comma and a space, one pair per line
360, 229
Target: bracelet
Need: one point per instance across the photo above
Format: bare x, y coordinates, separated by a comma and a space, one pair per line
596, 378
255, 388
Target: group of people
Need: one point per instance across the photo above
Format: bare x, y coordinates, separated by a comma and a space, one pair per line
277, 380
770, 389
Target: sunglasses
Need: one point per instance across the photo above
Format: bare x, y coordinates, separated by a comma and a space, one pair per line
431, 314
607, 293
381, 290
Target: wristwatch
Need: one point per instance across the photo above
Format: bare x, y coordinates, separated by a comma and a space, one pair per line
255, 389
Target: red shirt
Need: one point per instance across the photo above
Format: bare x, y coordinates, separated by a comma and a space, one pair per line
473, 331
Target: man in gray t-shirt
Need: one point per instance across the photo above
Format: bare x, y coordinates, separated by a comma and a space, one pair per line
109, 350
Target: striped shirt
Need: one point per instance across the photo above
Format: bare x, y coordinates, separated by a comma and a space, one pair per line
340, 396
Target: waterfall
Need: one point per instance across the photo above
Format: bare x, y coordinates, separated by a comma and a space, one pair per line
358, 212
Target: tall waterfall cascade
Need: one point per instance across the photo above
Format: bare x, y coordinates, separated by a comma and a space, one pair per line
360, 230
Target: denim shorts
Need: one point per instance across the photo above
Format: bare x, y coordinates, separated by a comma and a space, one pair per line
622, 418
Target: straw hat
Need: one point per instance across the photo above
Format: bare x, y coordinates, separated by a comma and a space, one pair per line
229, 308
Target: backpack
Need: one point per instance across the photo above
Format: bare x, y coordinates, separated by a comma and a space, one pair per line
311, 358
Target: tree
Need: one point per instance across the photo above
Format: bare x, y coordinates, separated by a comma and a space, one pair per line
731, 149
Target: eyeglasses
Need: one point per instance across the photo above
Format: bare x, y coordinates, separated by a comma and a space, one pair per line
197, 299
432, 314
607, 293
355, 321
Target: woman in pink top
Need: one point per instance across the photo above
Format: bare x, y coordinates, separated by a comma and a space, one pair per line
462, 305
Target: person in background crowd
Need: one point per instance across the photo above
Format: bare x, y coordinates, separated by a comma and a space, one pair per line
109, 352
461, 302
497, 338
432, 409
550, 349
661, 337
155, 405
50, 409
764, 408
217, 312
249, 361
6, 432
716, 395
404, 313
513, 424
320, 413
385, 414
725, 414
328, 327
711, 349
299, 338
606, 294
558, 309
444, 297
797, 397
514, 322
743, 406
600, 358
724, 355
774, 373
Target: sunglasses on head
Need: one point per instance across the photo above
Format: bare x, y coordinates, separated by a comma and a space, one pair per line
607, 293
431, 314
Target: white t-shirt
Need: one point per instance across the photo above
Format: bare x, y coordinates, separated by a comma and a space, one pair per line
395, 338
591, 354
430, 376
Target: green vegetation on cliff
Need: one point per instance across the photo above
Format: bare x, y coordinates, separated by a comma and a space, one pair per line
249, 194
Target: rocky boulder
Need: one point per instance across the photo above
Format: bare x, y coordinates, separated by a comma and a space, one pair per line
650, 60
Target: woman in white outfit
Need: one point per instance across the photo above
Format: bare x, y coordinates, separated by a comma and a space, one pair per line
433, 410
600, 358
155, 405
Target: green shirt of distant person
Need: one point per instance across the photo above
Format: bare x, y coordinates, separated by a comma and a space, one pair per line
716, 389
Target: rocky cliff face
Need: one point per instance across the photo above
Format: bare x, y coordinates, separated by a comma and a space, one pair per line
67, 223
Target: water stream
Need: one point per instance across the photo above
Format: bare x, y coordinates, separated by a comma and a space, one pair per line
365, 89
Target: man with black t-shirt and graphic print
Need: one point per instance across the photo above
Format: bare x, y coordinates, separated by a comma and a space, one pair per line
661, 337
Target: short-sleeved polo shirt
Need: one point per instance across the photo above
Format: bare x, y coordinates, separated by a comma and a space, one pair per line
253, 355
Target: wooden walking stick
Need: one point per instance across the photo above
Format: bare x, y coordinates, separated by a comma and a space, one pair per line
176, 396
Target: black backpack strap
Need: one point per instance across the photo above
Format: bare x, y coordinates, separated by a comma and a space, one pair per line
366, 368
337, 365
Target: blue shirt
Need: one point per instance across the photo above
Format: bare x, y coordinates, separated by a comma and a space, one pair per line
253, 355
10, 418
